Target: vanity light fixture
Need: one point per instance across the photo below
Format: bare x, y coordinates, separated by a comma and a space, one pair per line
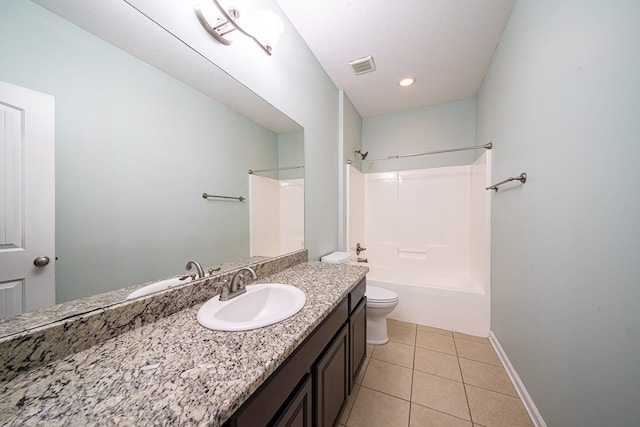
223, 22
407, 81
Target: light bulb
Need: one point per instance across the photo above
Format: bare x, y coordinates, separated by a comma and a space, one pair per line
265, 26
408, 81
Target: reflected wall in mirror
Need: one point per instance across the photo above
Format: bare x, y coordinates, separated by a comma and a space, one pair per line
135, 150
277, 201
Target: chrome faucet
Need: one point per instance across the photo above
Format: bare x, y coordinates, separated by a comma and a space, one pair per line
236, 286
198, 268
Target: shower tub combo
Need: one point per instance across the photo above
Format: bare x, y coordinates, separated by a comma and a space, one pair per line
426, 234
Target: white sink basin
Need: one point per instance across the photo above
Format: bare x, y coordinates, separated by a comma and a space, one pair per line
262, 305
156, 287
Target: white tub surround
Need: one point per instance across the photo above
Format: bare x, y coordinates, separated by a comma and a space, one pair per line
427, 237
276, 215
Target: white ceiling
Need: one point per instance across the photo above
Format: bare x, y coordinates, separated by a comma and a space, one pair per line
446, 44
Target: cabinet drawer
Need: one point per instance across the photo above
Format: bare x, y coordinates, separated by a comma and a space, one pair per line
357, 294
299, 412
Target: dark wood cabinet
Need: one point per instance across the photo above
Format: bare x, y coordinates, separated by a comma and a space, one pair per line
311, 387
331, 375
357, 341
299, 411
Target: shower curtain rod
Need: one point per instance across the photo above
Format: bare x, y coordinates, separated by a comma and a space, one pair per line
252, 171
426, 153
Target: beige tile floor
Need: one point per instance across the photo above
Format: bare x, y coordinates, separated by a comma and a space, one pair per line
433, 377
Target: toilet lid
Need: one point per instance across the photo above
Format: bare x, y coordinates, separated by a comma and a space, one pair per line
380, 294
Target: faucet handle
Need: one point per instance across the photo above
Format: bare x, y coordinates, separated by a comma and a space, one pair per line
213, 270
242, 278
359, 249
186, 276
224, 292
241, 282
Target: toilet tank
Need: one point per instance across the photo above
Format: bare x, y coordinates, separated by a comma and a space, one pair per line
337, 258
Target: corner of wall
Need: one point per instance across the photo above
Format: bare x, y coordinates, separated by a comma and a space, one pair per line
527, 401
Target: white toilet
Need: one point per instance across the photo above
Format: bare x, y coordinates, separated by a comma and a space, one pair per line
380, 302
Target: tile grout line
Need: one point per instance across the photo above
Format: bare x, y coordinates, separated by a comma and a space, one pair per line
413, 370
385, 393
410, 403
402, 334
346, 421
481, 361
447, 414
464, 385
493, 391
392, 363
437, 351
439, 376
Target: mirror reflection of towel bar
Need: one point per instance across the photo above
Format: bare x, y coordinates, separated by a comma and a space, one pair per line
211, 196
252, 171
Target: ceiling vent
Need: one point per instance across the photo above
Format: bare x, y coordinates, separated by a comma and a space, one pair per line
363, 65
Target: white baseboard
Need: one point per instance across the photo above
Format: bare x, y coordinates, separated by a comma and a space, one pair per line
533, 412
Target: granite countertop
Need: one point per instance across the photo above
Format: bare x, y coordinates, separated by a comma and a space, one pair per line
173, 371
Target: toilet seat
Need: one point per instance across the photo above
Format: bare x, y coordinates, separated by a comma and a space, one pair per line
380, 296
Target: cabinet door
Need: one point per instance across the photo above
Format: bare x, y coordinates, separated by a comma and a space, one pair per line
357, 341
298, 412
332, 380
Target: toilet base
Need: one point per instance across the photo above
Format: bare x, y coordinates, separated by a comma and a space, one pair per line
377, 330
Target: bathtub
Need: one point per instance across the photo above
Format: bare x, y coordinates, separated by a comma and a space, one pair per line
454, 301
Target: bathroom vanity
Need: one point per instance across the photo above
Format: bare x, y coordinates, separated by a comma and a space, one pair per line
174, 371
311, 387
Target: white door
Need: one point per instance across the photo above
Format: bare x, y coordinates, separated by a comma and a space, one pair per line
27, 267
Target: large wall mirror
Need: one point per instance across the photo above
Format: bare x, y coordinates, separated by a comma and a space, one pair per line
137, 145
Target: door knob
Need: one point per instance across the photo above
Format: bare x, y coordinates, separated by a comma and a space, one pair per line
41, 261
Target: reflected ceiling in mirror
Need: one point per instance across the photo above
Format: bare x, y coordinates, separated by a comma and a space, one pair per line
136, 146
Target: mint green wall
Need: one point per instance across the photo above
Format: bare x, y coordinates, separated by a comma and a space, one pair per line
561, 101
351, 130
291, 153
437, 127
135, 149
350, 141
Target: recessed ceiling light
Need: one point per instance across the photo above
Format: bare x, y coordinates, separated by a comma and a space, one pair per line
407, 81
